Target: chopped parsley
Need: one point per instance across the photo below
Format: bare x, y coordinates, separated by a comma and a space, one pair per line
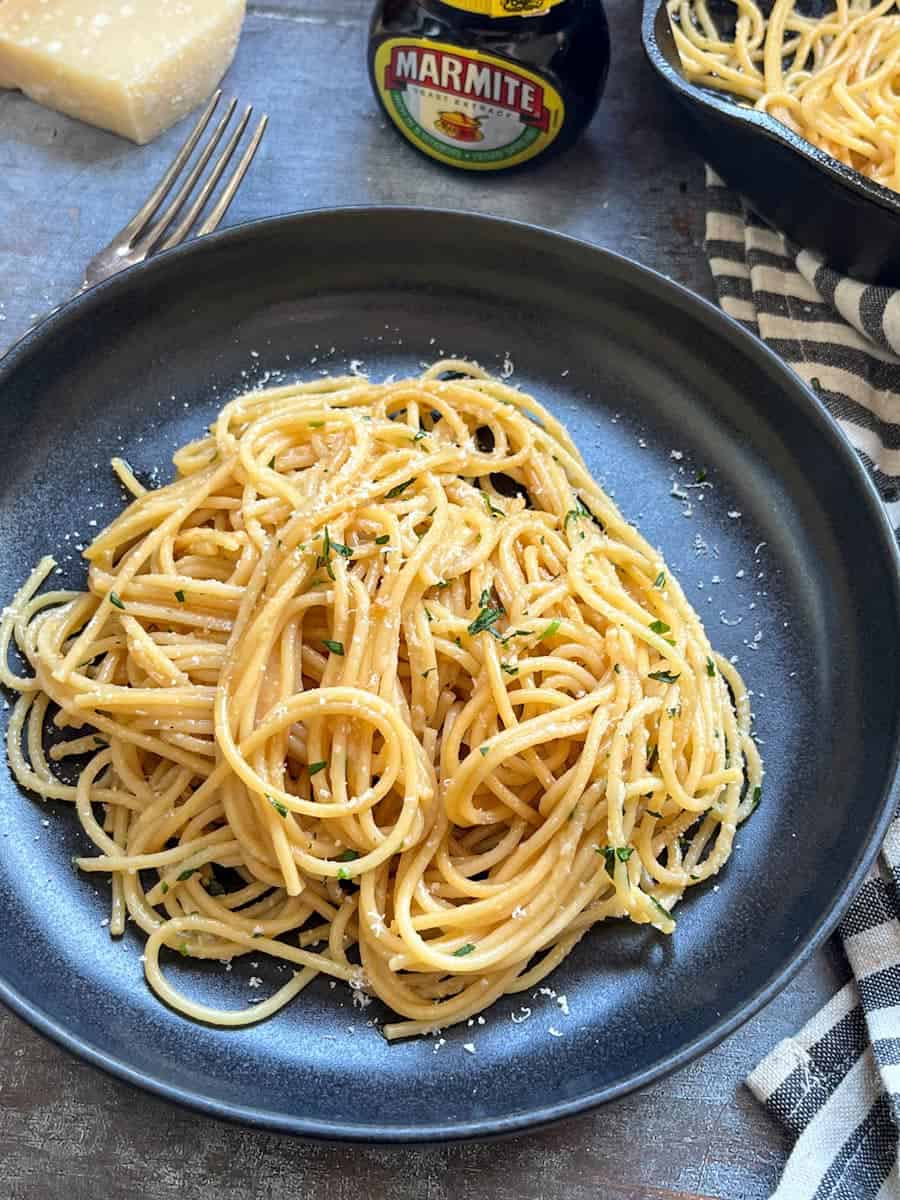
398, 490
664, 912
710, 667
549, 631
609, 856
659, 627
214, 888
757, 796
334, 647
343, 873
179, 596
324, 559
114, 599
183, 950
515, 633
316, 767
574, 513
508, 669
272, 463
493, 510
701, 476
663, 676
280, 808
348, 856
164, 887
486, 618
442, 583
660, 580
344, 551
611, 853
382, 539
316, 424
464, 950
420, 434
187, 874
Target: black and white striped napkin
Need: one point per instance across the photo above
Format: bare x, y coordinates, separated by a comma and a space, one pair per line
834, 1086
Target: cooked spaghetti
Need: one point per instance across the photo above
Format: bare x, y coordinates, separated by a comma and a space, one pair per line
383, 686
833, 79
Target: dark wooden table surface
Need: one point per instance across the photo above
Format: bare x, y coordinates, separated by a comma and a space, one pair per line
633, 185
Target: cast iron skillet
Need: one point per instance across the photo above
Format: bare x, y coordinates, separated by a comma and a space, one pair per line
641, 372
818, 202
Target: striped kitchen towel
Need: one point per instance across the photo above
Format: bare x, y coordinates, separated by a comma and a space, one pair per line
834, 1086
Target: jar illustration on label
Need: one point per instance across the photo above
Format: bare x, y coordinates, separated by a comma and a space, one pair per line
488, 84
460, 127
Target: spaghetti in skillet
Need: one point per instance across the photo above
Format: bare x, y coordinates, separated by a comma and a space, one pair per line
834, 78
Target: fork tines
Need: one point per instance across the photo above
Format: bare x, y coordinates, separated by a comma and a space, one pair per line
152, 231
146, 232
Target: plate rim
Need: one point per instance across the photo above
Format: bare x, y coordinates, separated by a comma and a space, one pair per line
669, 291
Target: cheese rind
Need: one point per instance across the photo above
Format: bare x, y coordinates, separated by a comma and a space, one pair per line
134, 67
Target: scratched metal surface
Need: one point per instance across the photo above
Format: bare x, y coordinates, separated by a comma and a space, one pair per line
65, 1129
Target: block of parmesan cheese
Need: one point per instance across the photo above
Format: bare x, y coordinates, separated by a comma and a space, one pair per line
132, 66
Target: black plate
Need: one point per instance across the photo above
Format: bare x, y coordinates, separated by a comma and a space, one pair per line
641, 372
818, 202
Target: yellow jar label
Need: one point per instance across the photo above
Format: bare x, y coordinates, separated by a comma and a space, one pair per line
465, 108
504, 8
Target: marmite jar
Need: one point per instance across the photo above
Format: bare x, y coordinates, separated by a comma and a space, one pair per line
489, 84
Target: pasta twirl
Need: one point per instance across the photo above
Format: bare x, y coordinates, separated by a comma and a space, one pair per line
384, 686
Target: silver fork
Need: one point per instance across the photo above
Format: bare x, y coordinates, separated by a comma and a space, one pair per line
144, 235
